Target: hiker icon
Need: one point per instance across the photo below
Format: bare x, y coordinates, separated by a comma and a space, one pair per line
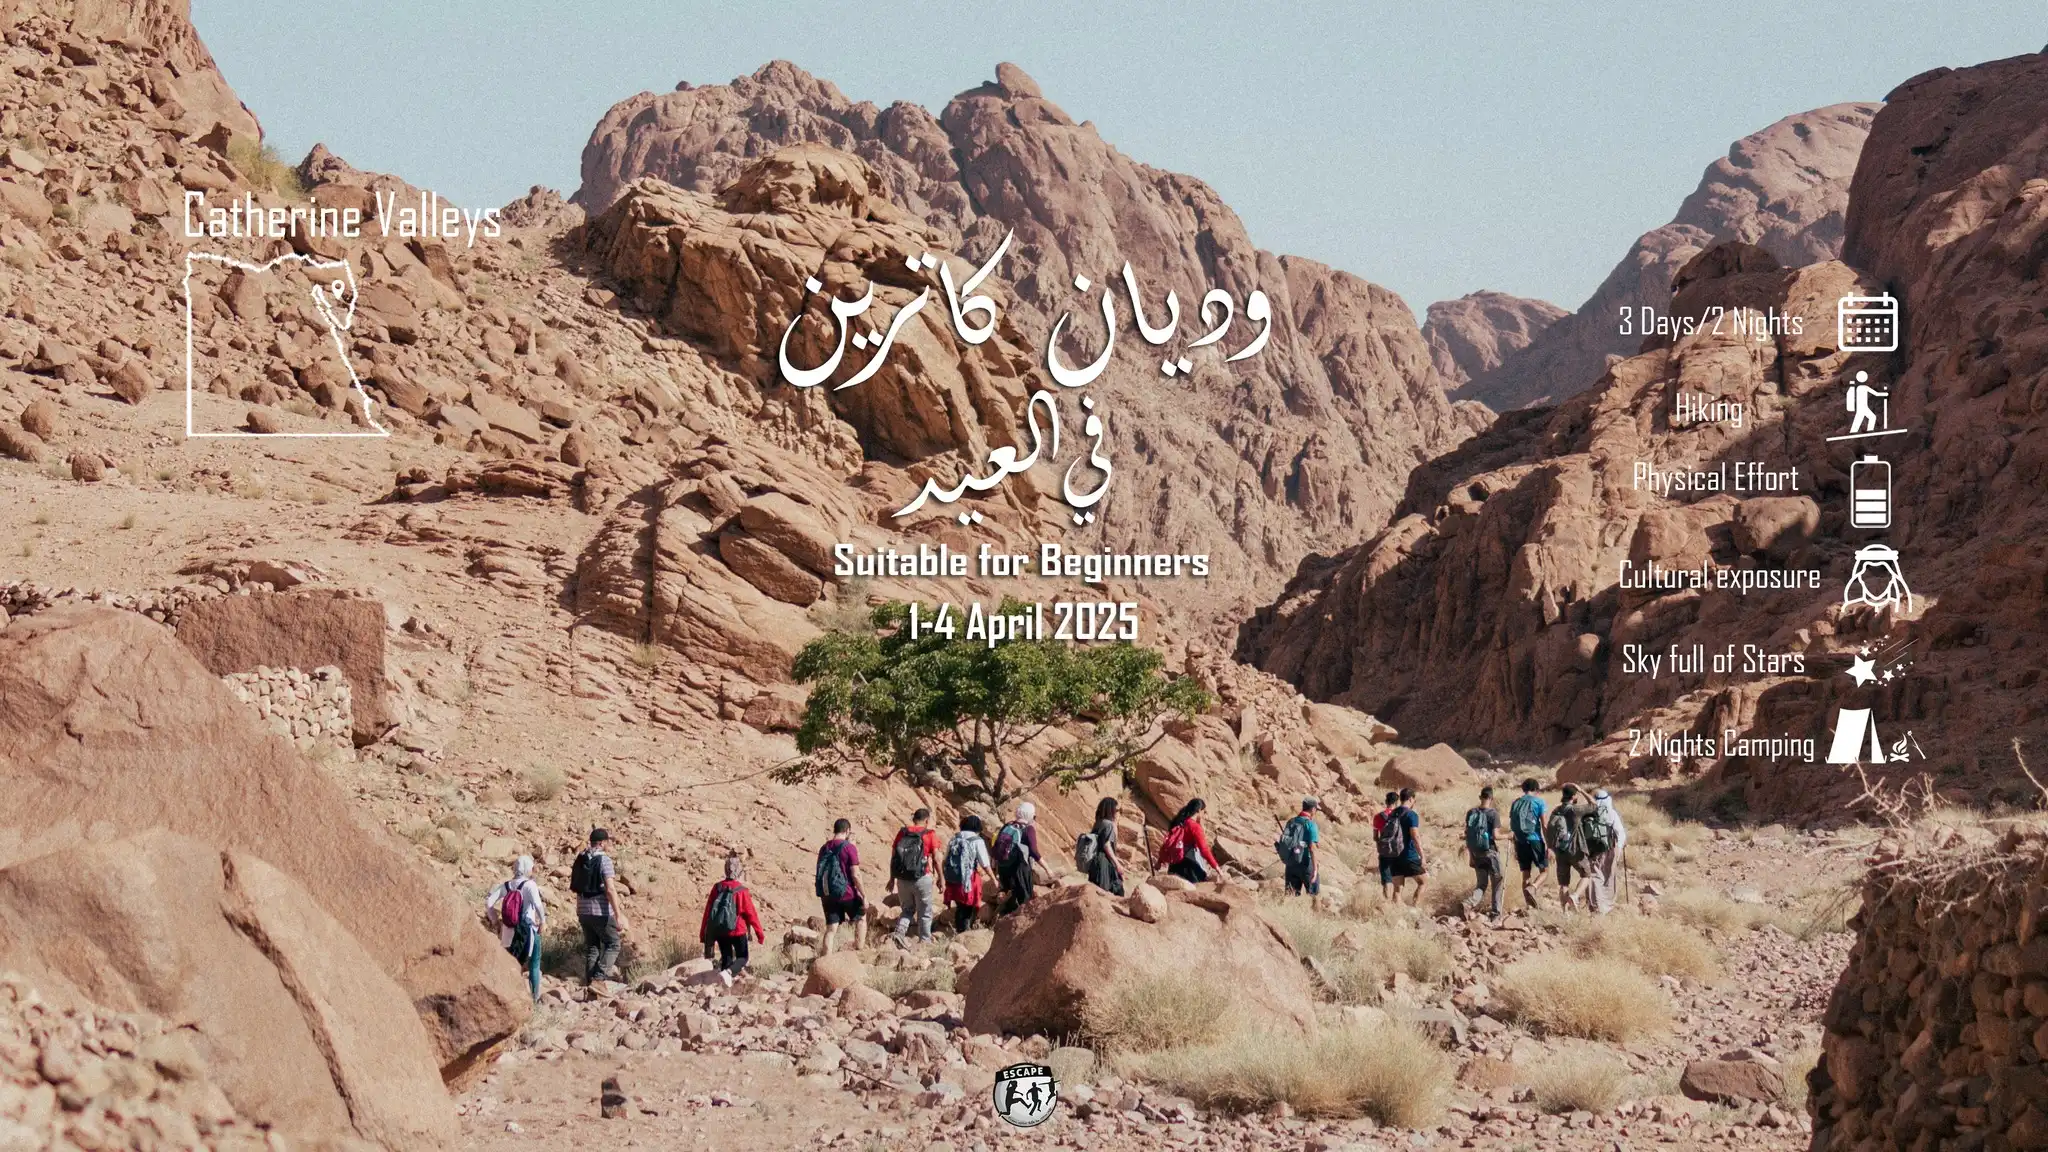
1865, 418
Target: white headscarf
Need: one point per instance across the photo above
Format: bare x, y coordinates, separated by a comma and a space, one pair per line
522, 869
1027, 812
1612, 815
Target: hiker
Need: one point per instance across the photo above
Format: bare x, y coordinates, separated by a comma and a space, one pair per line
1095, 850
1566, 834
1015, 851
1605, 837
1525, 822
1185, 851
967, 863
1379, 828
728, 917
593, 878
837, 882
1297, 849
911, 857
1482, 843
516, 911
1401, 840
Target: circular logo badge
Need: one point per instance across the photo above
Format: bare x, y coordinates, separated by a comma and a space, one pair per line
1025, 1094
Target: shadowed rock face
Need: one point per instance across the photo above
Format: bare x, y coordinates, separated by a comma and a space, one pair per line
1490, 611
1255, 462
1783, 189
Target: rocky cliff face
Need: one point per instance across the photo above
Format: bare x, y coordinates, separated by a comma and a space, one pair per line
1256, 461
1471, 336
1491, 609
1783, 189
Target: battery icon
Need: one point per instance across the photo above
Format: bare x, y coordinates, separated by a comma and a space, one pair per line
1870, 493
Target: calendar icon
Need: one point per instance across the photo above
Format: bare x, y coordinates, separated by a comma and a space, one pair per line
1867, 324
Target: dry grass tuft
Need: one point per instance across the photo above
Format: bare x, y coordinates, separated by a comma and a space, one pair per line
1358, 975
1704, 908
1594, 998
1656, 947
647, 657
1580, 1078
894, 982
261, 165
1389, 1072
538, 784
1796, 1067
1151, 1013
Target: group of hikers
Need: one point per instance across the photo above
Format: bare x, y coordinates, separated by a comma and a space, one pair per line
974, 872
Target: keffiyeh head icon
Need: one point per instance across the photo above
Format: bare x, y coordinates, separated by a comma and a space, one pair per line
1876, 579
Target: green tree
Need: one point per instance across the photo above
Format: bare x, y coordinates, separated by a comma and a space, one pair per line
957, 714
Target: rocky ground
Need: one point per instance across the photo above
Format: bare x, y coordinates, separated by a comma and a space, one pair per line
699, 1062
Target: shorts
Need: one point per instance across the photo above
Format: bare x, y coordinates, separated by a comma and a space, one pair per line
1532, 855
1386, 870
845, 911
1567, 865
1406, 867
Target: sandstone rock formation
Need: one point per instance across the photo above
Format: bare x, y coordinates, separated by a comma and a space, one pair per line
1061, 950
1947, 984
304, 630
1470, 336
1490, 610
1271, 455
1784, 189
112, 729
292, 1016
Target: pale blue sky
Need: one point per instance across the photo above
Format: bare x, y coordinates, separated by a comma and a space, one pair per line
1435, 148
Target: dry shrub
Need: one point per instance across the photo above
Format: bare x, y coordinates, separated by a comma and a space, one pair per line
1385, 949
1313, 933
894, 982
539, 783
1389, 1072
1796, 1066
1580, 1078
1704, 908
648, 657
261, 165
1657, 947
1595, 998
1150, 1013
1817, 912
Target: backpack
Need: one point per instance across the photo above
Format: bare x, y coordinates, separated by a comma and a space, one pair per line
1526, 820
586, 876
1086, 849
1393, 837
1563, 837
1292, 846
1595, 832
957, 873
831, 880
512, 909
1009, 842
906, 856
725, 910
1478, 831
1174, 848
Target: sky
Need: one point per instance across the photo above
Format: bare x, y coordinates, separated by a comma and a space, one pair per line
1436, 148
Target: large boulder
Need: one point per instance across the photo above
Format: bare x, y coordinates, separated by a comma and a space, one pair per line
1429, 769
297, 1023
302, 629
109, 727
1061, 951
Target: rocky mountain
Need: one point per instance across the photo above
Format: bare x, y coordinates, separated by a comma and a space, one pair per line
1471, 336
1256, 461
1492, 611
1783, 189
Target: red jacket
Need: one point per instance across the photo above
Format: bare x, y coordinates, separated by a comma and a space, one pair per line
745, 906
1197, 839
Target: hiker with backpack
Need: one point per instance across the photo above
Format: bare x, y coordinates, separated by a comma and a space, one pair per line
913, 859
1297, 850
1185, 851
729, 917
593, 878
1604, 840
967, 864
515, 911
838, 887
1482, 835
1379, 830
1532, 855
1566, 832
1401, 842
1015, 852
1095, 850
